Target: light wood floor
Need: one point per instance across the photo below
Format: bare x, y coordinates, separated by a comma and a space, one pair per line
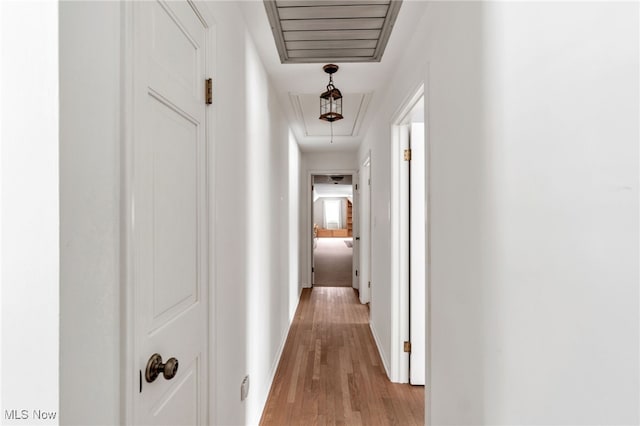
330, 372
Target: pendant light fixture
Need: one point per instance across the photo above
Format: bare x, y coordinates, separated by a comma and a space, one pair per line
331, 100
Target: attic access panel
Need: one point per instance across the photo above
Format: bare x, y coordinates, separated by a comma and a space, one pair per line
318, 31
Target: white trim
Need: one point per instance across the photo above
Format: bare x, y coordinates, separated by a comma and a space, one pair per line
211, 68
408, 103
427, 141
307, 236
385, 364
399, 300
128, 325
399, 242
362, 110
365, 246
276, 362
355, 213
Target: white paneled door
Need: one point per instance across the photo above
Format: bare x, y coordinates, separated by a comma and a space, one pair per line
169, 214
356, 230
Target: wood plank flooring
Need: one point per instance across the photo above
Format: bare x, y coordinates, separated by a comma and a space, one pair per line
330, 372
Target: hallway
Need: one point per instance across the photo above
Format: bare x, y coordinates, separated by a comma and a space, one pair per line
330, 371
532, 211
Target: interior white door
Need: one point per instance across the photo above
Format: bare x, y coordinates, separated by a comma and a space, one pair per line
356, 230
365, 232
417, 257
169, 230
314, 238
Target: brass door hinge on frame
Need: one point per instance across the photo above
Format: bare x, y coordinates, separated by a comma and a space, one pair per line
407, 347
407, 155
208, 91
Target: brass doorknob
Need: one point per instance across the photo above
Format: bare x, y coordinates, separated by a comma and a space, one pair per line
155, 366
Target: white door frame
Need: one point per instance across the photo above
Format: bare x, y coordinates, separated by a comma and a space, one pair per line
364, 229
130, 367
309, 219
417, 239
400, 240
357, 186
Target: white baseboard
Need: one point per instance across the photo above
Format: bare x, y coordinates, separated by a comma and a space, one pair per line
272, 375
274, 366
385, 364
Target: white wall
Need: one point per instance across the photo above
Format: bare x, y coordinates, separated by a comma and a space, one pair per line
321, 163
90, 371
328, 161
384, 299
295, 282
532, 112
256, 231
29, 210
256, 275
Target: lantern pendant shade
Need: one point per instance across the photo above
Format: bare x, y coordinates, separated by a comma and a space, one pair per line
331, 100
331, 105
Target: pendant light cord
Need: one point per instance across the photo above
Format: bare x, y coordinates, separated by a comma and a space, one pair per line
331, 131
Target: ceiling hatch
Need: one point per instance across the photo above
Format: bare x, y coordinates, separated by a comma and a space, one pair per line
314, 31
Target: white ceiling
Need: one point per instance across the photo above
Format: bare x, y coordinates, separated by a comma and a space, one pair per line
298, 86
332, 186
324, 190
354, 109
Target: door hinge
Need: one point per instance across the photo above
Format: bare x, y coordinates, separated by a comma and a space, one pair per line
407, 155
369, 284
407, 347
208, 91
369, 182
356, 272
313, 269
356, 186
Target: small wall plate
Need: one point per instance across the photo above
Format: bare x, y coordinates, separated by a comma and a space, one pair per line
244, 388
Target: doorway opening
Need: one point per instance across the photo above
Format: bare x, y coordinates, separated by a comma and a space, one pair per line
410, 229
416, 239
332, 215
